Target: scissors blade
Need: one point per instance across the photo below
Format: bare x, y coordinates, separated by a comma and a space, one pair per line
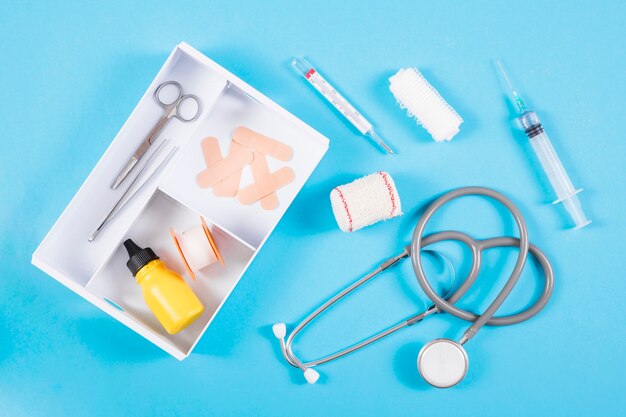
125, 171
141, 150
119, 205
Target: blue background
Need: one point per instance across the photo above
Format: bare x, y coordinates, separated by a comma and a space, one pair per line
72, 72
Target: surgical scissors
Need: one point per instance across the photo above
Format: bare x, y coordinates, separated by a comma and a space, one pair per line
171, 108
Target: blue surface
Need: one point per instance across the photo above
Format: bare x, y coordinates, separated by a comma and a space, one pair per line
71, 74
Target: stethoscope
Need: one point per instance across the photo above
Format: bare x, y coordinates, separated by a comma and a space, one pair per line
442, 362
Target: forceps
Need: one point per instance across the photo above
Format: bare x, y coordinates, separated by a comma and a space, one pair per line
170, 109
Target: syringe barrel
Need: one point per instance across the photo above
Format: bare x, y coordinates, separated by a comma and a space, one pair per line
550, 162
553, 167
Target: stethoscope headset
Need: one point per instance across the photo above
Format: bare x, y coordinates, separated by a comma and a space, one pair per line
441, 362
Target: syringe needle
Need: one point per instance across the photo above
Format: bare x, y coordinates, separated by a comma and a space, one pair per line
521, 106
506, 77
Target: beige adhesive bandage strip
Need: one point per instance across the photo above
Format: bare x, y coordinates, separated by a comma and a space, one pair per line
223, 168
212, 154
260, 171
268, 185
229, 186
211, 150
260, 143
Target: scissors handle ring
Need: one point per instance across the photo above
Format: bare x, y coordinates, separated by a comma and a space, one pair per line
180, 100
175, 101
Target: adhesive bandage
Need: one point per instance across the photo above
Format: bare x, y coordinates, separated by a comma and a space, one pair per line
425, 104
258, 142
267, 185
365, 201
229, 186
246, 148
197, 248
260, 171
210, 150
224, 167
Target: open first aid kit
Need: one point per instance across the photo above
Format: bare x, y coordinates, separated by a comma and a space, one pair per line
196, 180
181, 202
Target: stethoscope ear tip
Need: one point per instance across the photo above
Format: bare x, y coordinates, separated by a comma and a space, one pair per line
311, 375
280, 330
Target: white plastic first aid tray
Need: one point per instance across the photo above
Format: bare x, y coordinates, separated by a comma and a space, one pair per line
97, 270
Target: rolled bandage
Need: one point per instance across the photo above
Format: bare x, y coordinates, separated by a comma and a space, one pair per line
365, 201
425, 104
197, 248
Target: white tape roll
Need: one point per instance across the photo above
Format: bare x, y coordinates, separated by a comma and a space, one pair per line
196, 248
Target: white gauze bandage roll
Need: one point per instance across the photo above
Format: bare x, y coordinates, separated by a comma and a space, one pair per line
365, 201
425, 104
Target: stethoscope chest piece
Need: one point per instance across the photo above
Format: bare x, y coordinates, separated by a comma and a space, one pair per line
442, 363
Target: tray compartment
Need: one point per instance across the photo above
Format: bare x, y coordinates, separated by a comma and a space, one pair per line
114, 282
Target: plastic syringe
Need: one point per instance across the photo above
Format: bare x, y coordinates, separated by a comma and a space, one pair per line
343, 106
550, 162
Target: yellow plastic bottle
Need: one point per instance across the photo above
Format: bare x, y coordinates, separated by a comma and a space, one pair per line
167, 295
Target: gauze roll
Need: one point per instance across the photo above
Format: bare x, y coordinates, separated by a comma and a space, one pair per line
425, 104
365, 201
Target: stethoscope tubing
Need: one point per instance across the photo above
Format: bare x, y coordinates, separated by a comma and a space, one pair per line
286, 346
445, 304
477, 246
